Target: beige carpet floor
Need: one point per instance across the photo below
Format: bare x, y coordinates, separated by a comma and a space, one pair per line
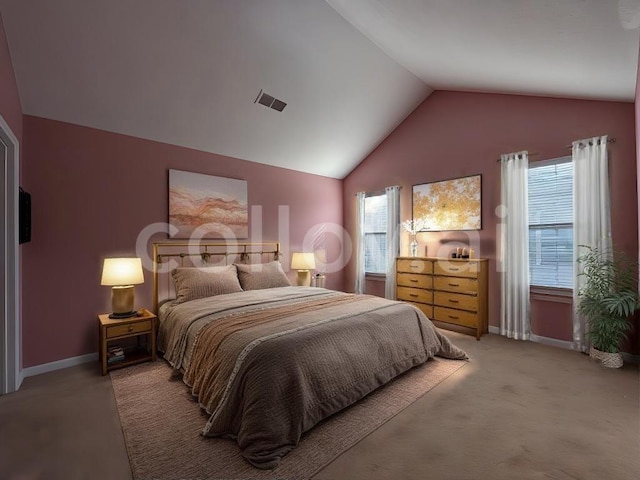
517, 410
162, 425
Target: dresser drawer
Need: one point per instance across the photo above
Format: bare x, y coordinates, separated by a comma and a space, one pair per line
414, 266
456, 285
457, 269
456, 300
415, 280
415, 295
458, 317
426, 309
129, 329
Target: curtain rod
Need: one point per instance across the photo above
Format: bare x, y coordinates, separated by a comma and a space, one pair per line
532, 154
376, 193
609, 140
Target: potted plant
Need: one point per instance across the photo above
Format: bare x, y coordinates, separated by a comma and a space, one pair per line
607, 300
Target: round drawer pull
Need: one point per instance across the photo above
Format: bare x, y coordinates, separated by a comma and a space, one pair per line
131, 328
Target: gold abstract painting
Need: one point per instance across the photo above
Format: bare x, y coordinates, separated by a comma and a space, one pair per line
207, 206
450, 204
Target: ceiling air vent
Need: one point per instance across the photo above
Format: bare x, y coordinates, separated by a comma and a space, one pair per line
269, 101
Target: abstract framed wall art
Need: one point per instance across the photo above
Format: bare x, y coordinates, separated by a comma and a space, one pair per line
209, 206
449, 204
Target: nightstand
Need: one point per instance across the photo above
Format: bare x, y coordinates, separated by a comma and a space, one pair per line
142, 326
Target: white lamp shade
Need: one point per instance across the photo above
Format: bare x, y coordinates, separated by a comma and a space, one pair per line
122, 271
303, 261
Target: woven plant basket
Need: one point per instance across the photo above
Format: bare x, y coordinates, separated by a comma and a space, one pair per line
595, 354
609, 360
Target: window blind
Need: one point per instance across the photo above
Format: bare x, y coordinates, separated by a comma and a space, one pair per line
375, 233
551, 223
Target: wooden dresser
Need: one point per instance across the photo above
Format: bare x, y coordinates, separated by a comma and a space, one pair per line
447, 290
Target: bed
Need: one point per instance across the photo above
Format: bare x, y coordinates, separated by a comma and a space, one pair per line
268, 361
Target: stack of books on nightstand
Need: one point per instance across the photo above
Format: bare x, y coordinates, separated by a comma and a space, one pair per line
115, 354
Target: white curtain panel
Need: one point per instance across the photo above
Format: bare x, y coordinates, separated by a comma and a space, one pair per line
514, 247
359, 284
591, 215
393, 239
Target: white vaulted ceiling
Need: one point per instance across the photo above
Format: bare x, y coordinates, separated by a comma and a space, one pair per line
566, 48
187, 72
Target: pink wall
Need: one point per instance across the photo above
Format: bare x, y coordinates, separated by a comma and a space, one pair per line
93, 192
637, 123
454, 134
635, 337
10, 108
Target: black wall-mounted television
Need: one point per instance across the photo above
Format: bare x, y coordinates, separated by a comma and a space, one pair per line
24, 217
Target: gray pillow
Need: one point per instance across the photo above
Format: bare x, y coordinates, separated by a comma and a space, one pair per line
193, 283
262, 275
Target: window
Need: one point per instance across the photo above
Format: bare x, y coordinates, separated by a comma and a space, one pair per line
375, 233
551, 223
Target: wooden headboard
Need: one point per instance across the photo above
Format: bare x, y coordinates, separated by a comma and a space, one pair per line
169, 255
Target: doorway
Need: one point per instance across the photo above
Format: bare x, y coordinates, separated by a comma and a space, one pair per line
10, 371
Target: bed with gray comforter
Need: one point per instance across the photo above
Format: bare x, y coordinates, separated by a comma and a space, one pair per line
268, 365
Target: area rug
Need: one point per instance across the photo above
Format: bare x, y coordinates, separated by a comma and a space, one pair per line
162, 425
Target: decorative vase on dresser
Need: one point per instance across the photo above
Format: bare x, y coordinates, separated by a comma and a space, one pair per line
413, 246
450, 291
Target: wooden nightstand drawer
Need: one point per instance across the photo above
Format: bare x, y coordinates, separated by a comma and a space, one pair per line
456, 285
456, 300
415, 295
129, 329
457, 317
457, 269
414, 266
415, 280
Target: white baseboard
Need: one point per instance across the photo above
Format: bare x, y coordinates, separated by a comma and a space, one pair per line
554, 342
59, 364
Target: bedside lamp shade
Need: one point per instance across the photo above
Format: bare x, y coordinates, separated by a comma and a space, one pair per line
303, 262
122, 274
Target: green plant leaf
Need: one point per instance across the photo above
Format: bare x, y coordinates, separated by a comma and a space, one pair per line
609, 296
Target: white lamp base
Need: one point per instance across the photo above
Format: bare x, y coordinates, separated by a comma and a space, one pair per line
304, 278
122, 300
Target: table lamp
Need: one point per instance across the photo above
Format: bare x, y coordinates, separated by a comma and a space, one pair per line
122, 274
303, 263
